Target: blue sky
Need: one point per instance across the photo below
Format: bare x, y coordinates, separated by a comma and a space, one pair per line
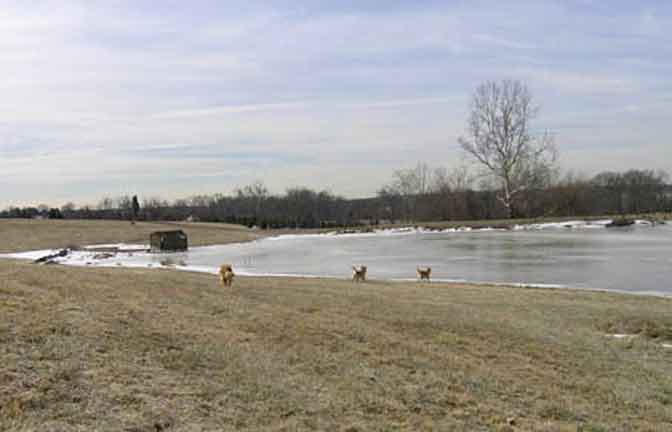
178, 98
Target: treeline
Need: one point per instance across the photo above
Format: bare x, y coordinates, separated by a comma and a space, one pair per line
252, 205
413, 195
419, 194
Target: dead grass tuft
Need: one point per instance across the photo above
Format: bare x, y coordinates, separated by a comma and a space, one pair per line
650, 325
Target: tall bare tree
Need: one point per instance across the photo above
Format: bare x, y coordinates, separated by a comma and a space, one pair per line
254, 194
499, 138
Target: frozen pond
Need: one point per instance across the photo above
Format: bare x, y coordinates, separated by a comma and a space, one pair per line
636, 259
631, 259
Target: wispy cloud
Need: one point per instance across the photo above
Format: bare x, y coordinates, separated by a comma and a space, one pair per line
503, 42
580, 82
232, 109
276, 107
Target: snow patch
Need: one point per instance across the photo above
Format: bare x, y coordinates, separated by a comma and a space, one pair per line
575, 224
384, 232
622, 336
121, 247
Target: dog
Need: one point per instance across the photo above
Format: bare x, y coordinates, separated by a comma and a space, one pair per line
226, 274
359, 274
424, 273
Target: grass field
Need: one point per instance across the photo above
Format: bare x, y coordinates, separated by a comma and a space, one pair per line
162, 350
30, 234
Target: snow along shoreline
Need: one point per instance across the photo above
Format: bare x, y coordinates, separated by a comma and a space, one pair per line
138, 256
146, 260
368, 232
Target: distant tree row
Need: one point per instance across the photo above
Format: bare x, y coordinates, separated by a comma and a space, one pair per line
251, 205
456, 196
420, 194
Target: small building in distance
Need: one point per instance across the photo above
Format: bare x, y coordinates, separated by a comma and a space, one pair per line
168, 241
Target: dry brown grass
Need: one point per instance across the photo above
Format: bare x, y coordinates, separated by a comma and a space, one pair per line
28, 234
164, 350
142, 350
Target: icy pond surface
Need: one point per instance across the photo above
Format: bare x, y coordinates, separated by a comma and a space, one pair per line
636, 259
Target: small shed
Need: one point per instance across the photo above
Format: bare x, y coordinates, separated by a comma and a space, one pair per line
168, 241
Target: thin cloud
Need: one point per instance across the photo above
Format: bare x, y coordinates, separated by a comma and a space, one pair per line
503, 42
231, 109
580, 82
292, 106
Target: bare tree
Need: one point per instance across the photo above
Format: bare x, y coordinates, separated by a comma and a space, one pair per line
441, 181
460, 179
500, 140
633, 191
106, 203
408, 184
154, 208
253, 197
412, 181
449, 191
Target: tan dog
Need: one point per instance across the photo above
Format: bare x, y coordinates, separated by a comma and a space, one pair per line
424, 273
226, 274
359, 274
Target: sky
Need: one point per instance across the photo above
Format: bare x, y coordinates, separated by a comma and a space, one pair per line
174, 98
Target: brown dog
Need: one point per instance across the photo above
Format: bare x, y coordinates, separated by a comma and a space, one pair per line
226, 274
424, 273
359, 274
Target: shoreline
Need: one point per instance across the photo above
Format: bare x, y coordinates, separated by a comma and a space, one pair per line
114, 249
479, 227
287, 276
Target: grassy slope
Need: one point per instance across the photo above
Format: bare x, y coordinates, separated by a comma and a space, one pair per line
28, 234
115, 349
128, 349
